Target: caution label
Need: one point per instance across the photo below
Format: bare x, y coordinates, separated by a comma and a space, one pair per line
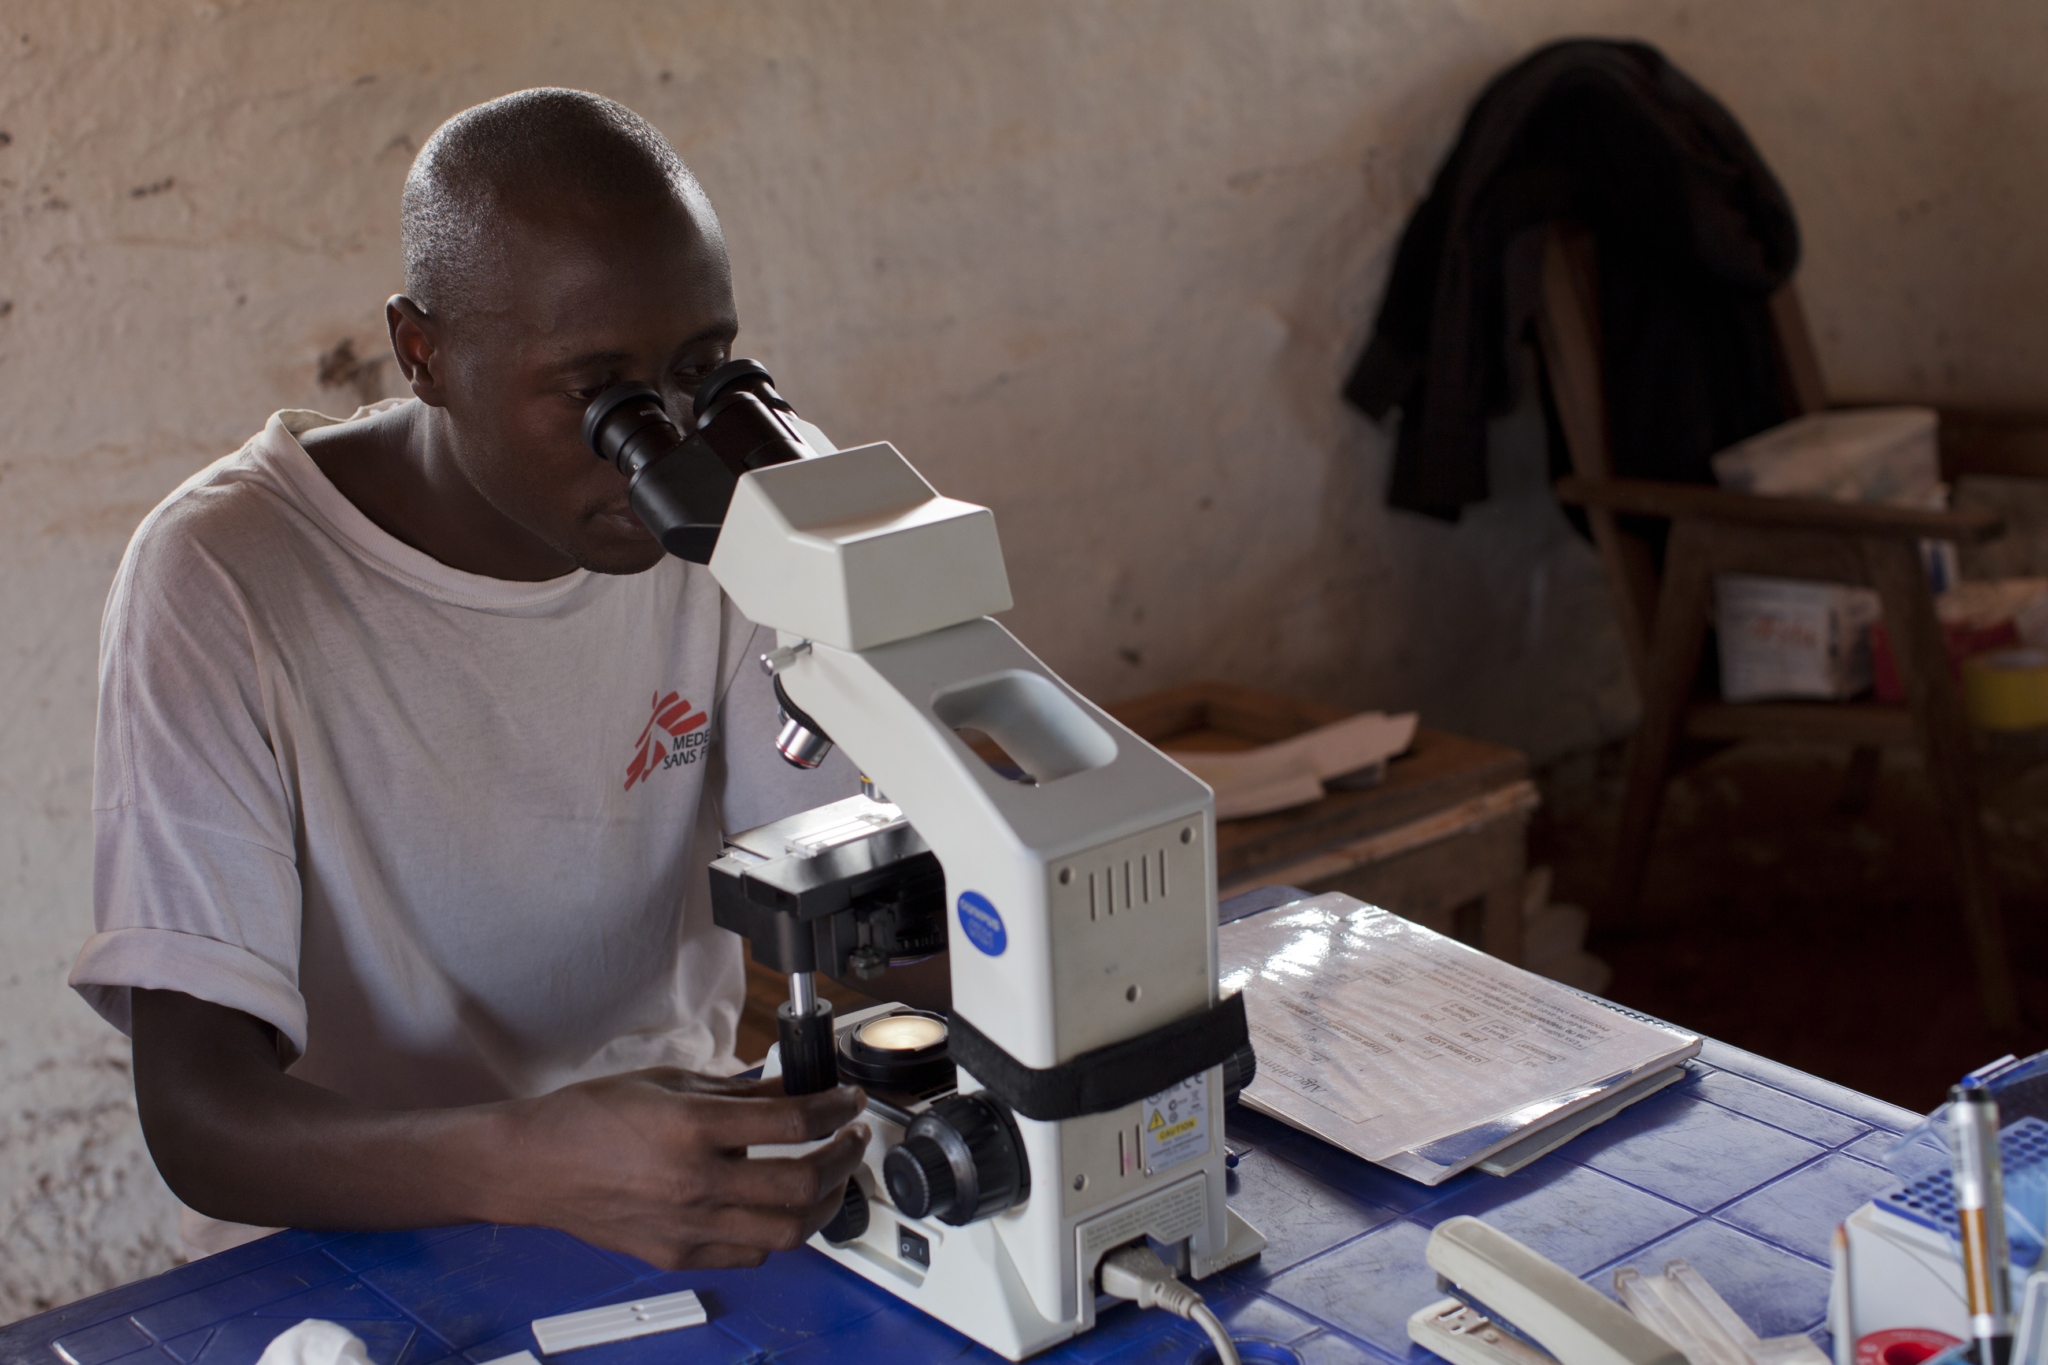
1176, 1124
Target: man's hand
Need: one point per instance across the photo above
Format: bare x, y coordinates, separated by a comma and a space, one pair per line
652, 1163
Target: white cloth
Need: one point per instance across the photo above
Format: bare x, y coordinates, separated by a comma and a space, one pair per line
315, 1341
446, 833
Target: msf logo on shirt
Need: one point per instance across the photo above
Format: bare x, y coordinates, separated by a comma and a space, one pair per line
675, 736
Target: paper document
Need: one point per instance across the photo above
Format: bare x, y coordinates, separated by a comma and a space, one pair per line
1291, 772
1546, 1140
1412, 1050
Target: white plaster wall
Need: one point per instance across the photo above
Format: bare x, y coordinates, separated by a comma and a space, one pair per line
1098, 265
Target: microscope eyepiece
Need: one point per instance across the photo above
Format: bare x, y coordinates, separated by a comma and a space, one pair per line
736, 376
682, 484
626, 426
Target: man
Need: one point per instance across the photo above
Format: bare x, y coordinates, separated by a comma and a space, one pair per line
413, 747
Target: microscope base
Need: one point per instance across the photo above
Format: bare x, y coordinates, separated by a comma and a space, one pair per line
971, 1284
964, 1276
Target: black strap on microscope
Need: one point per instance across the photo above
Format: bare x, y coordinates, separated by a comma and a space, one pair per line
1109, 1077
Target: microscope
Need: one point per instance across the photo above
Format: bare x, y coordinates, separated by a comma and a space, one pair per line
1070, 1107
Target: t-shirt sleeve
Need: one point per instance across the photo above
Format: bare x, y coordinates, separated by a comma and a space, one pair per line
195, 878
755, 784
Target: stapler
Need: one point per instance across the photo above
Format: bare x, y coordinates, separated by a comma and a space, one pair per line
1510, 1306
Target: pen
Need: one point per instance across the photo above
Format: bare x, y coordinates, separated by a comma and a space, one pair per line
1980, 1210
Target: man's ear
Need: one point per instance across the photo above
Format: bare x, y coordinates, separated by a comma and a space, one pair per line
416, 341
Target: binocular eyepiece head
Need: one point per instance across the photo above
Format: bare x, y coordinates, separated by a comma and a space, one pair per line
682, 484
624, 412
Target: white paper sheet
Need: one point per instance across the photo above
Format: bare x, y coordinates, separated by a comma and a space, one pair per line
1409, 1048
1291, 772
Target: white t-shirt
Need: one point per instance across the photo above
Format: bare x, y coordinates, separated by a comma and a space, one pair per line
446, 833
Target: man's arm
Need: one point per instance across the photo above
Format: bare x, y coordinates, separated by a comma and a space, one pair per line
652, 1163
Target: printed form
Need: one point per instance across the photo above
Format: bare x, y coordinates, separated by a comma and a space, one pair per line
1412, 1050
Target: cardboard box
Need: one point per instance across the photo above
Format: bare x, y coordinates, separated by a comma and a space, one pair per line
1786, 637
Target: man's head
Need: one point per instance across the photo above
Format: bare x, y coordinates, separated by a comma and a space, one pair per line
555, 244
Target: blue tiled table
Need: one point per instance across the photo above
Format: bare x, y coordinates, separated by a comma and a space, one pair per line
1743, 1168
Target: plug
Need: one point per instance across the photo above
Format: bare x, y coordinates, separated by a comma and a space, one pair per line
1134, 1272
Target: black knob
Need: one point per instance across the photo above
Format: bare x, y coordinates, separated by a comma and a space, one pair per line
810, 1061
919, 1176
960, 1160
1238, 1070
852, 1219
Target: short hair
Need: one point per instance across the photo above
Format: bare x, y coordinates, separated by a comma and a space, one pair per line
531, 145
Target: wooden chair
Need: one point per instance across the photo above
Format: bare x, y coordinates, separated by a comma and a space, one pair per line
1664, 617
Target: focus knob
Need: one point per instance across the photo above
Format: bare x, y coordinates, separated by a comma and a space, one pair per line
1239, 1070
851, 1222
919, 1176
959, 1160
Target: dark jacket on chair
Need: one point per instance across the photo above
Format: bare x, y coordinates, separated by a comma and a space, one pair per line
1694, 234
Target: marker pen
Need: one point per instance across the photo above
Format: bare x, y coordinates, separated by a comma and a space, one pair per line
1980, 1209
